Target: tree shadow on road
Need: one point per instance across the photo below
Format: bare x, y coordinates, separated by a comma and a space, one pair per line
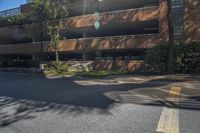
23, 96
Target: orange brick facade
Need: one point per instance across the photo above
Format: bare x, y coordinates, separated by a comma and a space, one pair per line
122, 42
192, 21
119, 42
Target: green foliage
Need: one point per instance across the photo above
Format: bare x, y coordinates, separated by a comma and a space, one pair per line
20, 64
58, 68
39, 10
62, 69
156, 58
48, 12
101, 74
54, 35
19, 19
186, 58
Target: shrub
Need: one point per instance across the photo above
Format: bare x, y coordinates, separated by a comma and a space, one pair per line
25, 63
4, 64
19, 19
20, 63
186, 58
156, 58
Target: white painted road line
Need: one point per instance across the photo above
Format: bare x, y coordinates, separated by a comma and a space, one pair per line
169, 119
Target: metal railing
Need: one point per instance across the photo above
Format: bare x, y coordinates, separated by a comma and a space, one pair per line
10, 12
29, 1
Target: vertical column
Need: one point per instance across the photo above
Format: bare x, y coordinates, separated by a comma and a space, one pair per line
33, 57
85, 4
178, 19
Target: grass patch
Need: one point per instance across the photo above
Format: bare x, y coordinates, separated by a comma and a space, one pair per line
66, 70
90, 74
101, 74
56, 72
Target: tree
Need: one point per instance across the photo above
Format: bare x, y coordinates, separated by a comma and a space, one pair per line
171, 39
39, 12
48, 13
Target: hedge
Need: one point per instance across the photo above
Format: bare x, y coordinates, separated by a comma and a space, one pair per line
186, 58
20, 64
19, 19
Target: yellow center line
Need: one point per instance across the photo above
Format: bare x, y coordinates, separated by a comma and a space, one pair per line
169, 119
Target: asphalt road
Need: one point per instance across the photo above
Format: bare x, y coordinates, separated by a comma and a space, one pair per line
126, 104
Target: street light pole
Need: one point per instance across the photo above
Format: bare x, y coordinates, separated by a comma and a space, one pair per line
171, 39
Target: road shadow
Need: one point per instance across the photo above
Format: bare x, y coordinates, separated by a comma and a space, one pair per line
21, 96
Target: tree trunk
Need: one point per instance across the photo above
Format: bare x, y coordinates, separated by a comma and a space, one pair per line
171, 40
41, 40
57, 45
57, 56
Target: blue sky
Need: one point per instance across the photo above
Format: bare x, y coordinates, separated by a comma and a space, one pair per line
9, 4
